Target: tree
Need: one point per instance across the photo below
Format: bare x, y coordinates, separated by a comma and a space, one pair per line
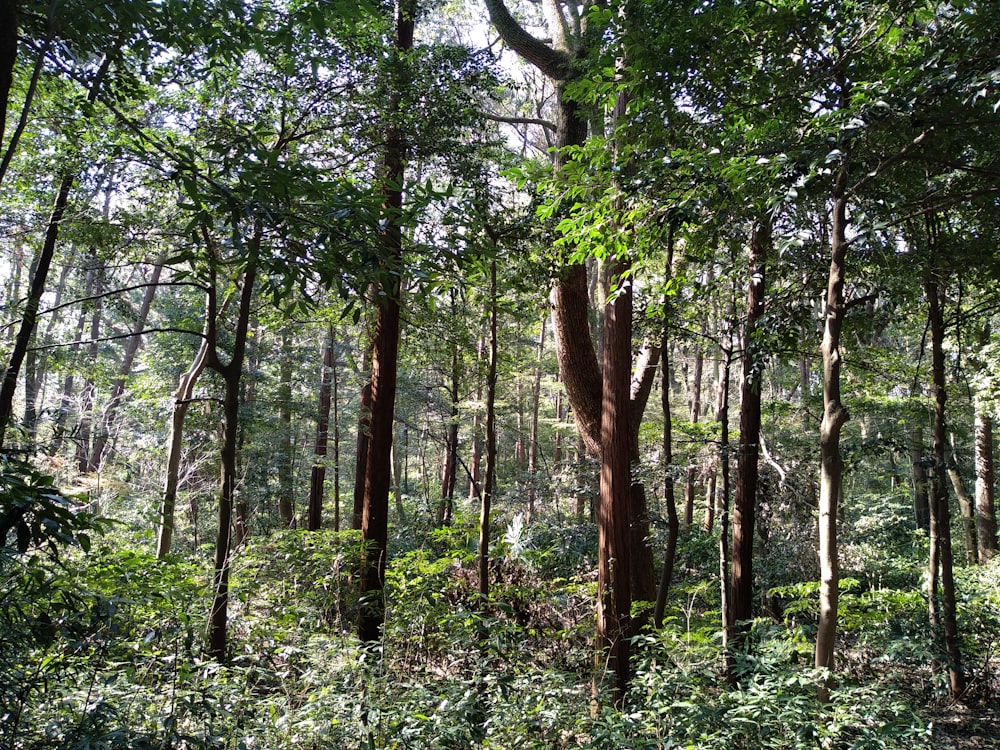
385, 348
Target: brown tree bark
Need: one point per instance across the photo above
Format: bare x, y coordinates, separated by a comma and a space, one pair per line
834, 418
673, 524
385, 352
614, 596
489, 483
231, 373
318, 474
940, 512
986, 519
748, 454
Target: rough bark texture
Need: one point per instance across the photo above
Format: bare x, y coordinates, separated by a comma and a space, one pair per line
834, 417
491, 445
940, 512
748, 456
385, 353
986, 519
613, 559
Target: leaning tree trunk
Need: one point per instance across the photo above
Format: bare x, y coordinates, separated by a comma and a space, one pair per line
748, 455
385, 352
940, 513
834, 417
966, 506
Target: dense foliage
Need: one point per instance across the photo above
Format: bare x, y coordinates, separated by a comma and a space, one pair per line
210, 210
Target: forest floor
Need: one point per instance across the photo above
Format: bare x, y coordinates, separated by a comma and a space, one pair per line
967, 728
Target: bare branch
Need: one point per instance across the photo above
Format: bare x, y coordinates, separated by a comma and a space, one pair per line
547, 124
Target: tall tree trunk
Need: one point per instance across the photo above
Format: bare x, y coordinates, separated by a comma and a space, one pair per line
725, 598
695, 414
536, 394
712, 465
673, 525
489, 487
40, 276
125, 369
283, 457
834, 418
940, 513
986, 519
375, 518
918, 474
613, 559
748, 455
318, 475
361, 447
231, 373
450, 474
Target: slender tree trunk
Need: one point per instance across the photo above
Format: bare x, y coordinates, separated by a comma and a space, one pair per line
725, 598
536, 393
375, 518
40, 276
491, 445
318, 476
335, 403
450, 474
986, 519
131, 351
712, 465
918, 473
748, 456
695, 413
673, 525
834, 418
940, 513
232, 374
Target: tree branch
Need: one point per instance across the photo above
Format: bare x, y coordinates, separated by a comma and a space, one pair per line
116, 337
553, 63
547, 124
